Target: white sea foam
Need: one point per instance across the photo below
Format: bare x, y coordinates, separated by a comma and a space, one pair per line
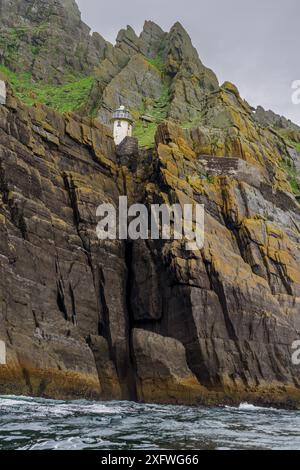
250, 407
89, 408
57, 407
9, 402
17, 397
49, 409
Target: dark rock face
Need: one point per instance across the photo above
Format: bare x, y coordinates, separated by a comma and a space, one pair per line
143, 320
170, 379
56, 278
128, 152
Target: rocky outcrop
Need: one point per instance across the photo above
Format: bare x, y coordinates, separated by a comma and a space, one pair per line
131, 86
228, 129
285, 127
48, 40
271, 119
191, 81
232, 167
162, 372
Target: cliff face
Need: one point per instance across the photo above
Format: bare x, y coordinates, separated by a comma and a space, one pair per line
145, 319
142, 320
57, 280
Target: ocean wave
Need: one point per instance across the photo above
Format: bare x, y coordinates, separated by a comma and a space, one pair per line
40, 407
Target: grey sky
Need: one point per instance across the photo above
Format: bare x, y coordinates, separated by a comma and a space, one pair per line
254, 44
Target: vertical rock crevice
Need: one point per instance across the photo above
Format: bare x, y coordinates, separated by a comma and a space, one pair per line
130, 318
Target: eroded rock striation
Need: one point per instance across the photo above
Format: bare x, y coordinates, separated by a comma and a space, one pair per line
144, 320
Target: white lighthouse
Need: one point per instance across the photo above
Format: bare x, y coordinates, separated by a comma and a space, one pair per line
122, 122
2, 92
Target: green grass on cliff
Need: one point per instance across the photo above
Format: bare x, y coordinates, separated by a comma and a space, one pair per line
296, 146
67, 97
293, 177
11, 39
159, 112
158, 63
145, 135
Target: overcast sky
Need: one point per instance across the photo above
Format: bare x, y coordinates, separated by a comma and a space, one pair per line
254, 44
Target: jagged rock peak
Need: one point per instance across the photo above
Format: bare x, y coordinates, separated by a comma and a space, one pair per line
178, 27
269, 118
152, 28
179, 45
178, 30
128, 41
151, 39
148, 43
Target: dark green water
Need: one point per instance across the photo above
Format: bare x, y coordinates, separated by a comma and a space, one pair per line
27, 423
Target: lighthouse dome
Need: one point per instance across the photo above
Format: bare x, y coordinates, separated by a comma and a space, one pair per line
122, 113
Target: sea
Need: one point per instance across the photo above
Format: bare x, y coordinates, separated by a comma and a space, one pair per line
40, 424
